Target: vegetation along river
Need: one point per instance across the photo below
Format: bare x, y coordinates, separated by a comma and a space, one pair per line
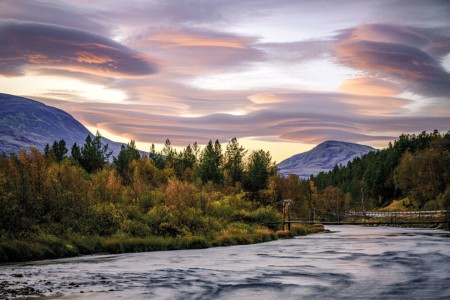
348, 262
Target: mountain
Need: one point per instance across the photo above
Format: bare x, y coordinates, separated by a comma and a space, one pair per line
322, 158
25, 122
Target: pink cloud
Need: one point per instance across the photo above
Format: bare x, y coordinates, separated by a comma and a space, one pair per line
199, 39
303, 117
394, 53
49, 46
370, 86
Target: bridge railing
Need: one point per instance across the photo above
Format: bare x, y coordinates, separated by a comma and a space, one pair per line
395, 218
391, 213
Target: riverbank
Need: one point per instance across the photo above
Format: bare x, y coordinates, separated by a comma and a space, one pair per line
51, 247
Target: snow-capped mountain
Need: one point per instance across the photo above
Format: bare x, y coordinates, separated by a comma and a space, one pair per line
25, 123
322, 158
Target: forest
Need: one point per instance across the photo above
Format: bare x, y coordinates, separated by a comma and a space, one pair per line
65, 202
62, 203
414, 169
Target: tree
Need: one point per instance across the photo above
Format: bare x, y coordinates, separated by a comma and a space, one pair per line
423, 176
93, 155
313, 200
57, 152
75, 152
157, 158
209, 168
332, 202
260, 167
169, 154
234, 161
122, 162
185, 163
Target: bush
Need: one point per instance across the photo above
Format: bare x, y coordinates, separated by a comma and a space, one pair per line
135, 228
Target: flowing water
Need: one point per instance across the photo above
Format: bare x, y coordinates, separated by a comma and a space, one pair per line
348, 262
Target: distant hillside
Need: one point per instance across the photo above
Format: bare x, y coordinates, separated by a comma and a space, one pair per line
25, 123
323, 157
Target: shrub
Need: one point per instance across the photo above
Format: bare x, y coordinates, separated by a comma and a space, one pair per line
135, 228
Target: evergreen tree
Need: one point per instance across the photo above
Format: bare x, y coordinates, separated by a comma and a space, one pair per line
122, 162
157, 158
185, 160
234, 161
259, 170
209, 168
169, 154
93, 155
57, 152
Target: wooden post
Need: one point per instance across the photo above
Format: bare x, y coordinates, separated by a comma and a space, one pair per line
447, 218
289, 216
287, 207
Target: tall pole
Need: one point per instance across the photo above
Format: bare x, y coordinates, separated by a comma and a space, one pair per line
289, 216
287, 209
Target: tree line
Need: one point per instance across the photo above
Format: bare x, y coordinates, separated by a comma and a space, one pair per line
165, 193
203, 191
414, 167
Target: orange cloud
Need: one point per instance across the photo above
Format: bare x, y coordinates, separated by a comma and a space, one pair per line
383, 33
39, 58
370, 86
180, 39
91, 58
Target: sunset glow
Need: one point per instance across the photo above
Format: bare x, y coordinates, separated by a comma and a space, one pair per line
283, 76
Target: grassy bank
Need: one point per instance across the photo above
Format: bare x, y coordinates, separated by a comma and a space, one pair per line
50, 246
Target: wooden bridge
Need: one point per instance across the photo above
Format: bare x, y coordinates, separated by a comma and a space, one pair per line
396, 218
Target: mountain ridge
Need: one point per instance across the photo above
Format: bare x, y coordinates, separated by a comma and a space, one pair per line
26, 123
322, 158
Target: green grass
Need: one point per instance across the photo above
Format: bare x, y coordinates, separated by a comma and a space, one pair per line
50, 246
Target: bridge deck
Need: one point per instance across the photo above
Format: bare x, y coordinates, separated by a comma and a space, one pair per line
430, 222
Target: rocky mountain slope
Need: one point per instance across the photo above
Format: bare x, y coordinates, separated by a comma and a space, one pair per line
25, 123
322, 158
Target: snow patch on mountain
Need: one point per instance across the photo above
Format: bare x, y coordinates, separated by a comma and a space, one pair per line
322, 158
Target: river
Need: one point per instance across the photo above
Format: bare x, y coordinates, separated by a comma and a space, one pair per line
349, 262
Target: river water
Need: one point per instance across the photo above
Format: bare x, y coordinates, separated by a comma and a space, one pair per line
349, 262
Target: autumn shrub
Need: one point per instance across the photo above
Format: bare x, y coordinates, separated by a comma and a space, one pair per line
432, 205
219, 209
135, 228
444, 199
265, 215
105, 219
163, 223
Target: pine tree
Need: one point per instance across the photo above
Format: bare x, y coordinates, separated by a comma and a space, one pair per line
122, 162
259, 170
93, 155
57, 152
234, 161
209, 168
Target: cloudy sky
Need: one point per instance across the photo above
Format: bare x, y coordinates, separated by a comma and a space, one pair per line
282, 75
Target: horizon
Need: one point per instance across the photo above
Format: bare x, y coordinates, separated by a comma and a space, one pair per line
279, 76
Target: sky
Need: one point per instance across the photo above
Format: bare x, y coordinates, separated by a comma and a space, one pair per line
279, 75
